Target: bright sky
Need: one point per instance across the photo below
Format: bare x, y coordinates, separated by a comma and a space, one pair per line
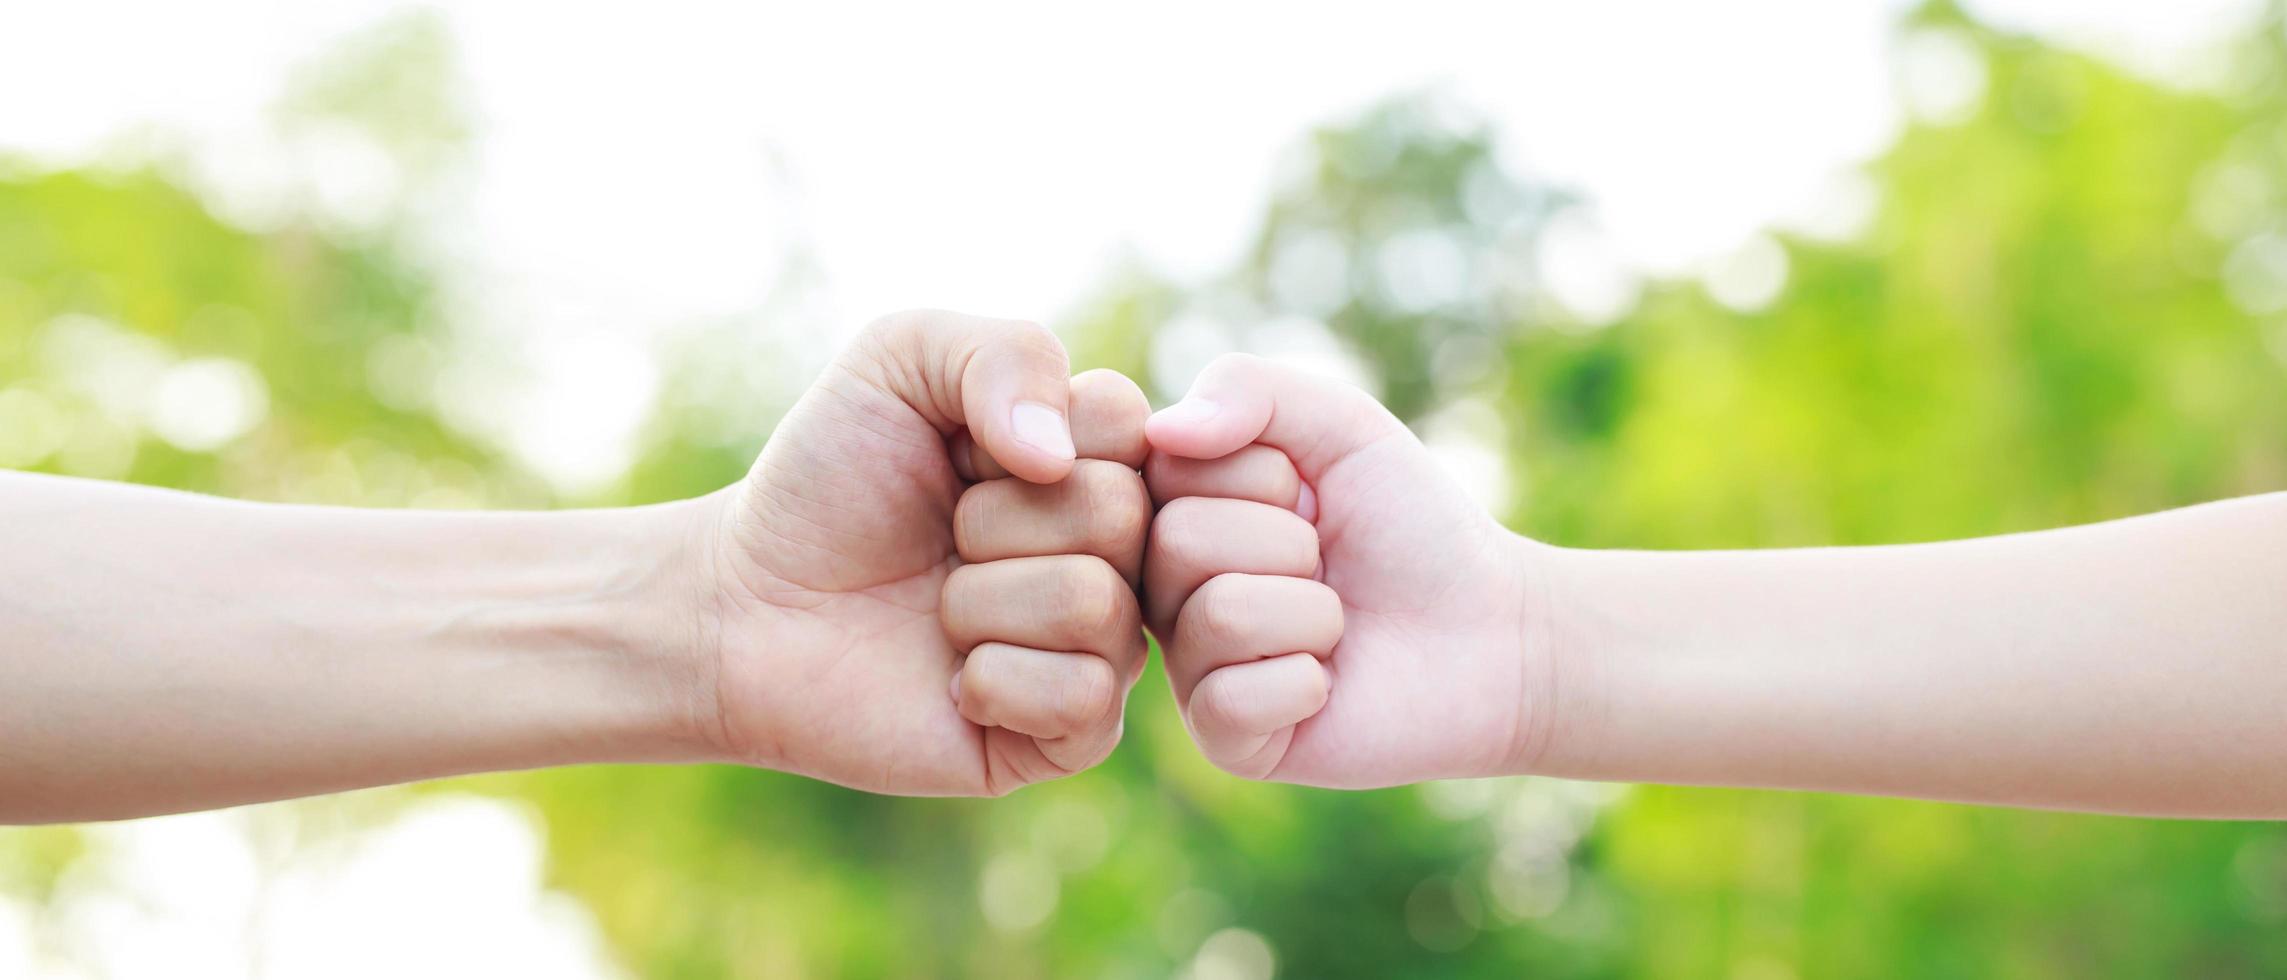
641, 167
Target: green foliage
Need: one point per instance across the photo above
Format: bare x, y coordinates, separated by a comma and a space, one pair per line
106, 280
2067, 308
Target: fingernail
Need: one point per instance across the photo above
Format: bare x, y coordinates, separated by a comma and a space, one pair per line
1190, 410
1042, 428
955, 687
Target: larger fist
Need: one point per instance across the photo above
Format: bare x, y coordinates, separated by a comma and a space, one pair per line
944, 502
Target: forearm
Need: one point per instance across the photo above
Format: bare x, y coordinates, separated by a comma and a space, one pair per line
162, 651
2134, 666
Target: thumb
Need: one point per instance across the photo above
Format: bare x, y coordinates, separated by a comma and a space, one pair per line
1007, 381
1241, 399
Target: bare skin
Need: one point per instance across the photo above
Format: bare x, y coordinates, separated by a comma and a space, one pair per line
927, 586
1350, 618
846, 611
166, 652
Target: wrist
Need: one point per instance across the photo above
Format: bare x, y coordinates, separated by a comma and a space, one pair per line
621, 604
679, 645
1562, 701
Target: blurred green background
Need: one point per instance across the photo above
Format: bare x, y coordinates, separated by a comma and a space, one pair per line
2068, 304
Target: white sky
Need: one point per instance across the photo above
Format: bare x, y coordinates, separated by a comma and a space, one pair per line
640, 167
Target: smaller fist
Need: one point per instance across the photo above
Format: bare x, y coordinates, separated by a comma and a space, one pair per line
1335, 611
1235, 601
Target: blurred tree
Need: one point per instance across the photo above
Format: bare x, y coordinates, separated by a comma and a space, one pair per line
1405, 235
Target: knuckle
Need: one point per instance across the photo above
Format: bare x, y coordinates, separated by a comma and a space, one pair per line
1179, 524
1212, 706
973, 518
982, 680
1117, 506
1163, 481
1239, 767
957, 601
1115, 395
1159, 468
1090, 694
1273, 470
1094, 597
1096, 478
1109, 413
1216, 612
902, 324
1030, 337
980, 465
1328, 609
1298, 536
1110, 385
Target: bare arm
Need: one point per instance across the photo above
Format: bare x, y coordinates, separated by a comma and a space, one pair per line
162, 651
2137, 666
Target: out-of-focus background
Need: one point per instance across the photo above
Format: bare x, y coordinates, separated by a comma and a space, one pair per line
1646, 274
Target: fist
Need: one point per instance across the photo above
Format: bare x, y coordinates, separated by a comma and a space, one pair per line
944, 501
1335, 610
1043, 608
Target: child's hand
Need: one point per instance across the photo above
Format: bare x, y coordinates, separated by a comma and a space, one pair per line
1334, 609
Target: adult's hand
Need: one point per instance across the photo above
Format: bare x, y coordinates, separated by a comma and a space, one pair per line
839, 610
164, 651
